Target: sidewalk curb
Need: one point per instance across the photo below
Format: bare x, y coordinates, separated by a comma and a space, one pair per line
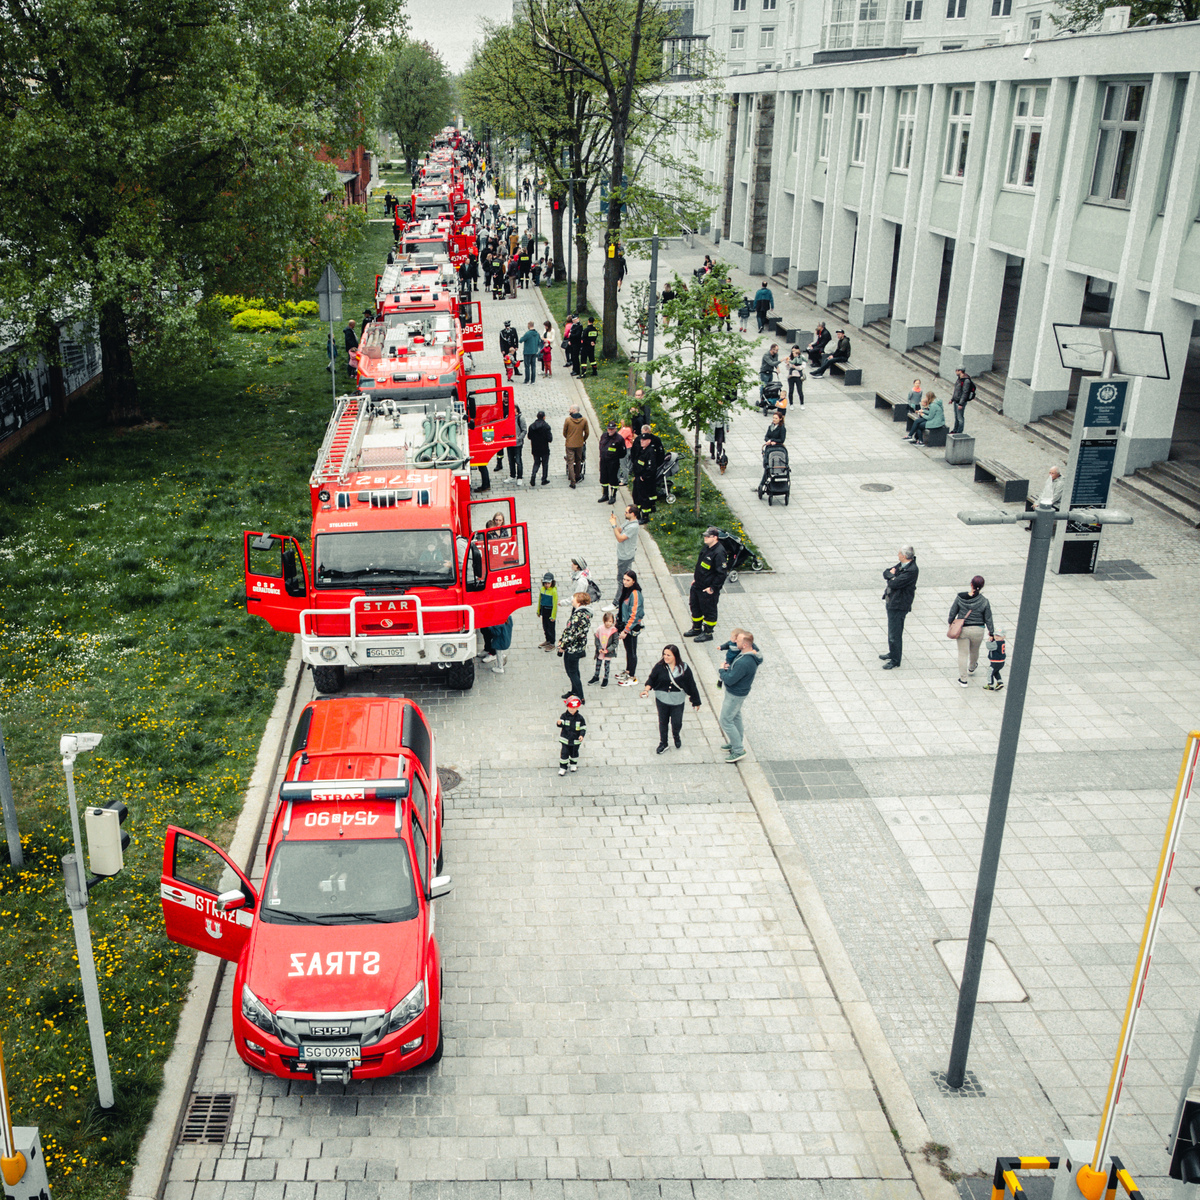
179, 1072
893, 1091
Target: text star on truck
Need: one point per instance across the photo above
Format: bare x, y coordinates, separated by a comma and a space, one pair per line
338, 971
403, 568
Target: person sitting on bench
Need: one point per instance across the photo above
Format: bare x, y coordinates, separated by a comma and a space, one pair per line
816, 348
841, 353
932, 417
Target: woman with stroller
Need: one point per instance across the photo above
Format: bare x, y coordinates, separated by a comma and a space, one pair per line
774, 439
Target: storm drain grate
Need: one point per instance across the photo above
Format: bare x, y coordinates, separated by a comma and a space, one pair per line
971, 1089
449, 779
876, 487
1121, 570
206, 1122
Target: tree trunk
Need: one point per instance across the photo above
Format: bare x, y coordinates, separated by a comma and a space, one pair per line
611, 237
556, 232
696, 480
581, 248
120, 385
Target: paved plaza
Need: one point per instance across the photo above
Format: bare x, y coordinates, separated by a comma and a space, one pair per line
638, 1008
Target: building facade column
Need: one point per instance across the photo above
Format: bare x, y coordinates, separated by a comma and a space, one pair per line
806, 252
870, 292
837, 232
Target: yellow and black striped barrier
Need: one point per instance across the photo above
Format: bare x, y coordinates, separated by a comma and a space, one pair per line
1005, 1177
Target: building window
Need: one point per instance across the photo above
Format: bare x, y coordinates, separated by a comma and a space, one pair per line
1028, 114
862, 127
739, 5
906, 120
952, 45
1116, 148
956, 9
962, 101
737, 39
826, 124
1001, 8
1035, 27
766, 38
796, 122
768, 5
912, 10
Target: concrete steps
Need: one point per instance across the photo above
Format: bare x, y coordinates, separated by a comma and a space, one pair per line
1172, 486
1055, 430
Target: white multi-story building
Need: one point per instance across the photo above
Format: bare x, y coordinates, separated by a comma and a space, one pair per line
975, 197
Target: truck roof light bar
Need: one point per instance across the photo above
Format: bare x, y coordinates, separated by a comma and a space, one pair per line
339, 791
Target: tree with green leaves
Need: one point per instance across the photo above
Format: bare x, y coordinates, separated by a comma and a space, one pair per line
617, 48
704, 368
151, 155
417, 99
1080, 15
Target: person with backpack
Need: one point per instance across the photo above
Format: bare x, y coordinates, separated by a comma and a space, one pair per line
764, 301
631, 617
963, 394
540, 436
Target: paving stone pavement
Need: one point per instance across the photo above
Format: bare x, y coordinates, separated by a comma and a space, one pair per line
894, 769
634, 1007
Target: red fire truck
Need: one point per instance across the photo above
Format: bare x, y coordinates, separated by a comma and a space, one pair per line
404, 568
338, 972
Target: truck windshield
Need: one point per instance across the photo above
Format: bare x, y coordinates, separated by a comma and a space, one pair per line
340, 882
388, 556
431, 208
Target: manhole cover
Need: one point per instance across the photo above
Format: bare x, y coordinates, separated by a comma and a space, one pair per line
448, 779
207, 1120
876, 487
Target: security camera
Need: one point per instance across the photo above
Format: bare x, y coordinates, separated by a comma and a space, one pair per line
1029, 54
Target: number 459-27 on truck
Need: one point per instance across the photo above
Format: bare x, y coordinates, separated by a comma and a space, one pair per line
405, 566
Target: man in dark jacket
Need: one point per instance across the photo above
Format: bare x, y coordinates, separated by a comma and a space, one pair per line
539, 436
841, 353
351, 340
575, 349
647, 455
591, 335
612, 450
900, 582
816, 348
707, 580
764, 301
963, 394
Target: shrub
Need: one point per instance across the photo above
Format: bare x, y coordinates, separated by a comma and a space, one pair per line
291, 324
256, 320
307, 308
290, 339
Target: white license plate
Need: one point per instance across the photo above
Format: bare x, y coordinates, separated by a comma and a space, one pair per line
387, 652
333, 1052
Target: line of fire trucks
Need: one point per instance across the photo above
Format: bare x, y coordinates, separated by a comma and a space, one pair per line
339, 975
403, 567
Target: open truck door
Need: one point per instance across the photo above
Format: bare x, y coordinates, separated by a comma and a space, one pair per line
471, 316
277, 583
491, 417
208, 904
496, 570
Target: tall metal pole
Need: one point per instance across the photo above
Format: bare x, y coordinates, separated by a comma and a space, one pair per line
333, 359
652, 315
1044, 518
11, 830
75, 879
570, 241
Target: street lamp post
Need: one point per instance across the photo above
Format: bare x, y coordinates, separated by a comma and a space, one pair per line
1042, 522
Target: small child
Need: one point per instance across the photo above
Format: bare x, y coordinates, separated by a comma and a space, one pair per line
573, 728
509, 364
995, 649
547, 356
606, 643
732, 650
548, 609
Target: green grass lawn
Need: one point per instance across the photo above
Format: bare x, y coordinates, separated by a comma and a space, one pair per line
122, 611
676, 528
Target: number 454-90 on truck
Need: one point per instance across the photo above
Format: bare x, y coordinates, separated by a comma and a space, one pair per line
405, 566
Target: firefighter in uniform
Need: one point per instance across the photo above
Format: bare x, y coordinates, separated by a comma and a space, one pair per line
612, 450
707, 581
591, 335
572, 729
646, 456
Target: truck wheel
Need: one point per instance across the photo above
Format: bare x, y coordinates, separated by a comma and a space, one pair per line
436, 1056
328, 680
461, 676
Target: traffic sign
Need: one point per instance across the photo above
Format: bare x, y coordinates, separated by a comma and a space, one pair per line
329, 295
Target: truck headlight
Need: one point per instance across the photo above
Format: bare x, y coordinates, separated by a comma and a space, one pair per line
328, 653
449, 649
256, 1012
408, 1010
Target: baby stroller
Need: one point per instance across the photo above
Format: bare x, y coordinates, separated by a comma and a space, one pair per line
777, 475
665, 480
772, 393
737, 557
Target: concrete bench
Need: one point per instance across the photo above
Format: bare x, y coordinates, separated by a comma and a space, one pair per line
933, 437
989, 470
897, 404
851, 376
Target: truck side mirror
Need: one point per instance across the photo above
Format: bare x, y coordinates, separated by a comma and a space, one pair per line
231, 901
440, 885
